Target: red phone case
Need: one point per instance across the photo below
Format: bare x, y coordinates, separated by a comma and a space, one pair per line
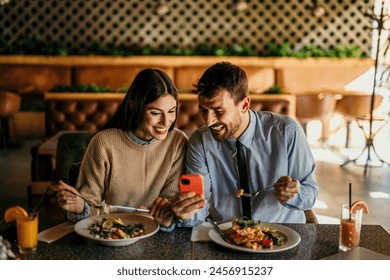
191, 183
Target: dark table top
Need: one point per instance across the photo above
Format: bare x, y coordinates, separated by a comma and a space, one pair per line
317, 241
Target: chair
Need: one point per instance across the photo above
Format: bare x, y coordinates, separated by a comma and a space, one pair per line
315, 106
9, 105
71, 147
352, 105
356, 106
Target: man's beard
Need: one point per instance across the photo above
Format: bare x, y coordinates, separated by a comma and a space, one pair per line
224, 133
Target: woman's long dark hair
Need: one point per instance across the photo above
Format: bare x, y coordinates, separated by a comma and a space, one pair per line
148, 85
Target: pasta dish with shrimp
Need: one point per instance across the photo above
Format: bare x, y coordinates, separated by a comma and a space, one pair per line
249, 234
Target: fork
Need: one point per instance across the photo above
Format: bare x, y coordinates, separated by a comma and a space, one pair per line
258, 192
103, 205
54, 187
223, 235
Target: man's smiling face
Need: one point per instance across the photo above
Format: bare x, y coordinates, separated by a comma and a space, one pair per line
222, 116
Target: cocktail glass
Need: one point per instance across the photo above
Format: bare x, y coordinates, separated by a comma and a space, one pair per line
350, 225
27, 232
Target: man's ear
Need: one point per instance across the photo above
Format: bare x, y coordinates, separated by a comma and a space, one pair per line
245, 104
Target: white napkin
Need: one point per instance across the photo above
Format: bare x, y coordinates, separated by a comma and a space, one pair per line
54, 233
201, 232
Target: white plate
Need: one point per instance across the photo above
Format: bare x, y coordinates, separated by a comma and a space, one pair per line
293, 238
150, 227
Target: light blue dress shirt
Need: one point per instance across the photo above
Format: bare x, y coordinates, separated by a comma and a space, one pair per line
275, 146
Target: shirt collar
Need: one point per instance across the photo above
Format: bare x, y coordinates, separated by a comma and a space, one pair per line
247, 136
140, 141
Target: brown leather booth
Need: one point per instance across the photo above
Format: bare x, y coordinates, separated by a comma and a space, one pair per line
90, 111
79, 111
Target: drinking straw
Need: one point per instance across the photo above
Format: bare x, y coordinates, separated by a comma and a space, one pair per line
350, 200
42, 199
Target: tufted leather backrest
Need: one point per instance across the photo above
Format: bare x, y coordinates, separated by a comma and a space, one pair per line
90, 111
74, 111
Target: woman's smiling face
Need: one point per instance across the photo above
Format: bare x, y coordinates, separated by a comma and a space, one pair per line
157, 118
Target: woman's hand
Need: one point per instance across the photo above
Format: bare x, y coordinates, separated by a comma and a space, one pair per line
185, 205
285, 188
67, 200
161, 211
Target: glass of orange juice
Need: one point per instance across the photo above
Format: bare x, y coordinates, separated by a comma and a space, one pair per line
27, 232
350, 225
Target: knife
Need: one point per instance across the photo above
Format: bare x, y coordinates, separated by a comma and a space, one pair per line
117, 208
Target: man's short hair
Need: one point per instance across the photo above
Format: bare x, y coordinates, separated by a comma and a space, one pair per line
223, 76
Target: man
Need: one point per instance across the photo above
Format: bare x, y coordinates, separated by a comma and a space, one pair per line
276, 154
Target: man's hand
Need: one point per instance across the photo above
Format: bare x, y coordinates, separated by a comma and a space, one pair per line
285, 188
185, 205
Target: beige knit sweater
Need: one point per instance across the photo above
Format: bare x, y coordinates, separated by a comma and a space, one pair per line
121, 172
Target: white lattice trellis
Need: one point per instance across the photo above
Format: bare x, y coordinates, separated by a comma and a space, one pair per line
78, 24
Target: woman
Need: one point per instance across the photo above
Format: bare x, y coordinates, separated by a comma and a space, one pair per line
137, 157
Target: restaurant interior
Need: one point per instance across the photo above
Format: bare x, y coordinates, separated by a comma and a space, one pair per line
66, 65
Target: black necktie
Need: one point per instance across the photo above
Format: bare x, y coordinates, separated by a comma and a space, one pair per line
244, 180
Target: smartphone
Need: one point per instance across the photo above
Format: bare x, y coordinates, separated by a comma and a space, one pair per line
191, 183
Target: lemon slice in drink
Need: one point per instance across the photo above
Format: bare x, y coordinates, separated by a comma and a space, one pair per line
13, 212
